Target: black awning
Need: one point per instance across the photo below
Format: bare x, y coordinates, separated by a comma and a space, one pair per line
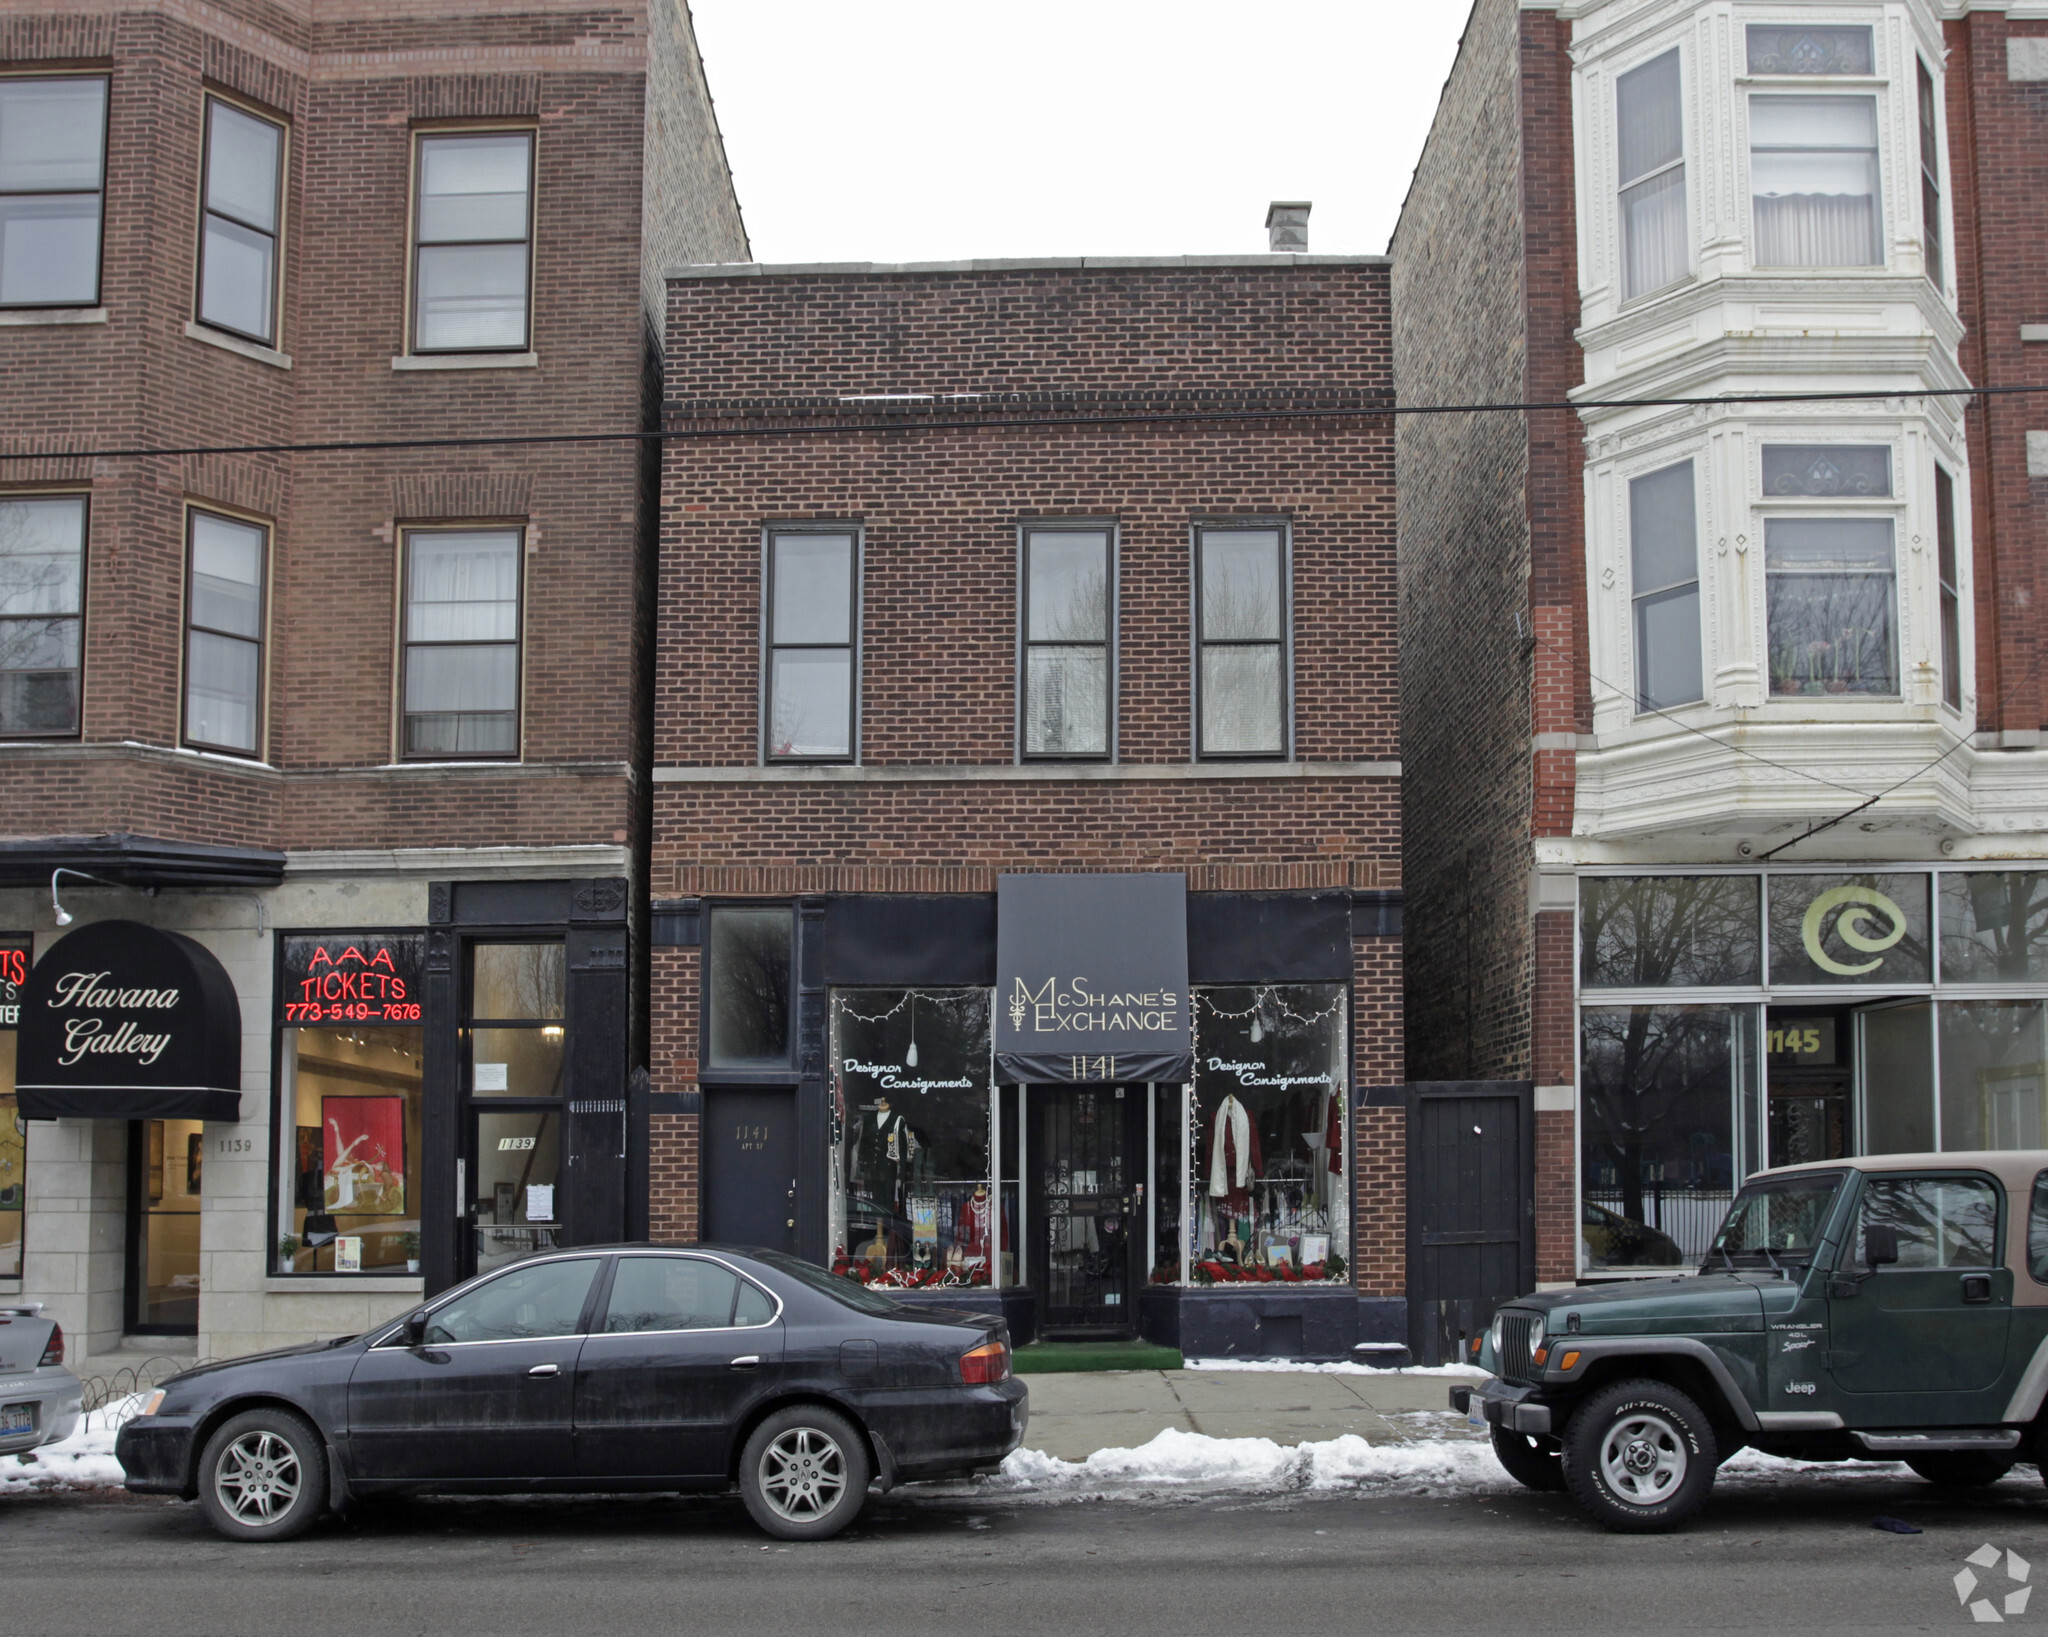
1092, 979
140, 861
121, 1021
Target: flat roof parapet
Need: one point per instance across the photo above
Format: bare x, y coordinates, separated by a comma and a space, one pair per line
1032, 264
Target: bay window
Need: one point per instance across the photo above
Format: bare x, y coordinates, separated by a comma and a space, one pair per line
1951, 595
53, 148
224, 634
1814, 181
1830, 582
1665, 565
1930, 184
1650, 116
42, 608
240, 222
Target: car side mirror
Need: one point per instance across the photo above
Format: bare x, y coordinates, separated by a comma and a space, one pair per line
416, 1328
1880, 1245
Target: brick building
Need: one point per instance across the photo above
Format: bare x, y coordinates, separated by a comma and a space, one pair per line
340, 746
1722, 720
1013, 601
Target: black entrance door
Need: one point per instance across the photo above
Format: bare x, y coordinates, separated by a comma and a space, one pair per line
1088, 1154
1471, 1208
750, 1168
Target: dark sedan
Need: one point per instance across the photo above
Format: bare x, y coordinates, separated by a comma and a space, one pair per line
631, 1367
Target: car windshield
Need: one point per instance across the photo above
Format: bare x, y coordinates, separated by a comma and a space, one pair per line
1779, 1221
845, 1291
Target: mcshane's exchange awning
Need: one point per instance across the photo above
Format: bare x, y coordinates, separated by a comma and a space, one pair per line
1092, 979
121, 1021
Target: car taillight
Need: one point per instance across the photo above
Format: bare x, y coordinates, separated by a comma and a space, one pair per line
54, 1353
985, 1365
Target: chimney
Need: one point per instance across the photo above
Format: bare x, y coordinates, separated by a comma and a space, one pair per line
1287, 225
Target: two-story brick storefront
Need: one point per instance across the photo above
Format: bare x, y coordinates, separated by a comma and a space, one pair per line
1026, 804
322, 804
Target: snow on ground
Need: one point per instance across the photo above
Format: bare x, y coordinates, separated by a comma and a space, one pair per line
1191, 1462
1468, 1372
85, 1460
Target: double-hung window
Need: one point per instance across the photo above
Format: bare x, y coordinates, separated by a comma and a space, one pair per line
1813, 171
53, 147
1930, 184
1241, 641
1650, 139
1664, 563
1068, 663
813, 579
244, 210
1951, 594
1830, 582
473, 242
461, 681
42, 609
224, 633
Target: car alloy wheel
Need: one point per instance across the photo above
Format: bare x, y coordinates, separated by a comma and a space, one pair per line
257, 1478
803, 1474
1643, 1459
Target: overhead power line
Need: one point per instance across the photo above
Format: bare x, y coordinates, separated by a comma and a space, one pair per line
956, 412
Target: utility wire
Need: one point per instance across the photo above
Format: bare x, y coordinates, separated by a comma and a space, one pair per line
811, 417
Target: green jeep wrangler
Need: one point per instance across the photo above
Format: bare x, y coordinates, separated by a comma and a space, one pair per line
1884, 1309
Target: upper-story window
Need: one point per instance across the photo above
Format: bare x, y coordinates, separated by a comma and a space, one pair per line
42, 614
1830, 582
461, 682
1951, 593
244, 211
53, 145
224, 634
473, 242
1650, 117
1068, 666
813, 616
1813, 168
1241, 638
1664, 566
1930, 184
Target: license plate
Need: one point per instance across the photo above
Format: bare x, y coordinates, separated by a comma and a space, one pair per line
17, 1418
1475, 1411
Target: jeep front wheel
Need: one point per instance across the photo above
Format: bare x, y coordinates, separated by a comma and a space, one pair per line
1531, 1462
1639, 1456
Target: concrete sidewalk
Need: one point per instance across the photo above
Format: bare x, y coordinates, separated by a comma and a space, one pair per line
1074, 1415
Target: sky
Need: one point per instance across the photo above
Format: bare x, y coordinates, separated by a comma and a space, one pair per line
938, 130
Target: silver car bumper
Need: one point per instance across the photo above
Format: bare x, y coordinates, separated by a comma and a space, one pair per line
53, 1401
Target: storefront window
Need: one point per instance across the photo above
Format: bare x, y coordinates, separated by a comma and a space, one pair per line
1994, 926
1862, 930
1669, 931
350, 1099
1994, 1074
1270, 1195
1898, 1079
914, 1201
1659, 1088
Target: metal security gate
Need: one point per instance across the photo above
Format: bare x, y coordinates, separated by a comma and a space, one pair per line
1471, 1208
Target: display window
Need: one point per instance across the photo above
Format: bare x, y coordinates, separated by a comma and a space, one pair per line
350, 1098
14, 963
1269, 1197
915, 1200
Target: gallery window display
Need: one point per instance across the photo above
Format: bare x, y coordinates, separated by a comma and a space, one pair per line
1269, 1197
351, 1080
914, 1196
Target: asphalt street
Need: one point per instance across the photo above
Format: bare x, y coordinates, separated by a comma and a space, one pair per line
1793, 1558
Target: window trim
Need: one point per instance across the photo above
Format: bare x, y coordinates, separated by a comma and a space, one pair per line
419, 137
1243, 525
1682, 164
99, 272
406, 532
765, 703
1112, 537
275, 341
187, 626
76, 732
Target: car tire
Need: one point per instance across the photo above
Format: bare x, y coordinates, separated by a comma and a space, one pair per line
1639, 1456
1961, 1468
263, 1476
1534, 1463
804, 1473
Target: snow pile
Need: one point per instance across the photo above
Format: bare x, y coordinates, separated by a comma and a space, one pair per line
1283, 1366
1191, 1462
85, 1460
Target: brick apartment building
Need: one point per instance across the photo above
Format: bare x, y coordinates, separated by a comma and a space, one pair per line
339, 746
1722, 721
1026, 839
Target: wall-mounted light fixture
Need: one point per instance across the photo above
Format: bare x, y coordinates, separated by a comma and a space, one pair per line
57, 908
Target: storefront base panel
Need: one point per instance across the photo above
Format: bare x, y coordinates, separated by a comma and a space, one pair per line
1318, 1325
1016, 1308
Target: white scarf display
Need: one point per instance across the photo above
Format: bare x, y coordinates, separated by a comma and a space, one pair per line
1230, 1118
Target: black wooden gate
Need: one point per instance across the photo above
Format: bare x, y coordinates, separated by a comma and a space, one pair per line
1471, 1208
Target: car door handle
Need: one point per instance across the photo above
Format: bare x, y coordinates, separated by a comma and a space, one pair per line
1976, 1287
545, 1370
747, 1361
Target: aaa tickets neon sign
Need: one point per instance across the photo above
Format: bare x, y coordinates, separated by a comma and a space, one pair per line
351, 978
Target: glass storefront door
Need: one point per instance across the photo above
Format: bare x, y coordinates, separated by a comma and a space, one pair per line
1088, 1154
1806, 1062
518, 1096
165, 1161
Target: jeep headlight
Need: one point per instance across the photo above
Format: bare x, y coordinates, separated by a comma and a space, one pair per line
1535, 1331
1493, 1334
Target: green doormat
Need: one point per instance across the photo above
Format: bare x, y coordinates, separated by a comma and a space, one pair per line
1046, 1357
